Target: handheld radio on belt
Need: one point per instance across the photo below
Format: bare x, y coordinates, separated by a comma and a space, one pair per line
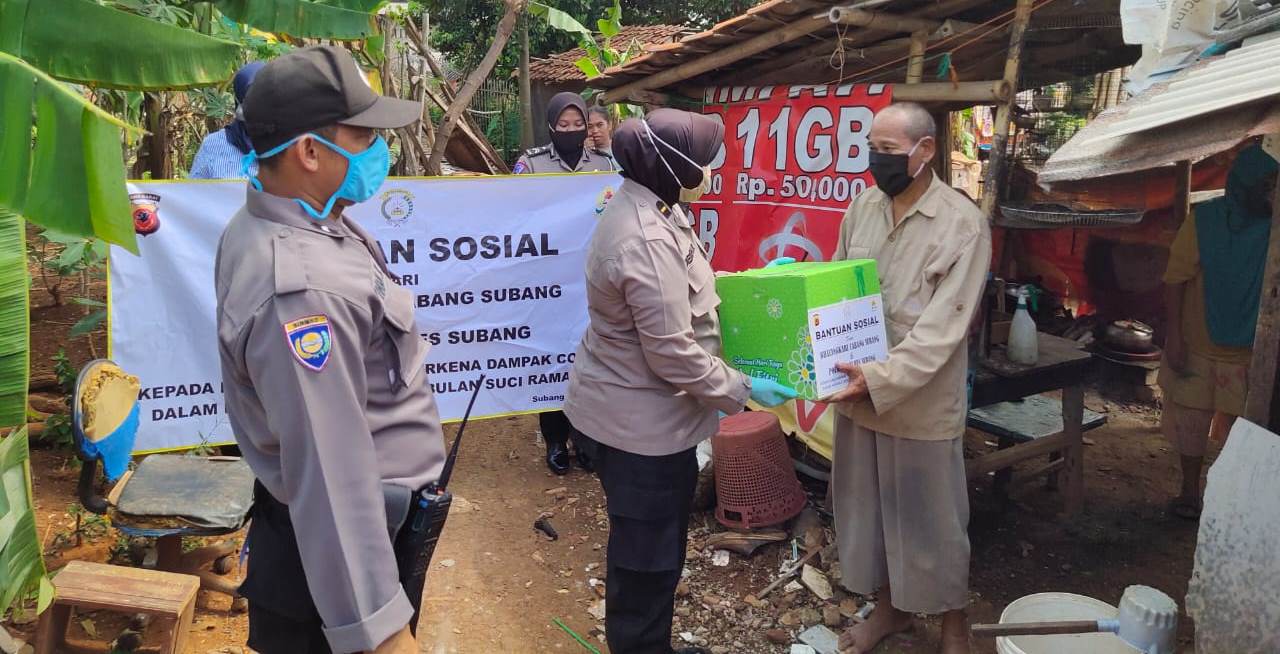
416, 541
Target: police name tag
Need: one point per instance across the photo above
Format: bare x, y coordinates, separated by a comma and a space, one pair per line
310, 340
851, 331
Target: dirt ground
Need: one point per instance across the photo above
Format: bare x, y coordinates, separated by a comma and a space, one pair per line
497, 585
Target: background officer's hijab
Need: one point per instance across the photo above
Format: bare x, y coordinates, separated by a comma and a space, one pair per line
694, 135
237, 135
567, 144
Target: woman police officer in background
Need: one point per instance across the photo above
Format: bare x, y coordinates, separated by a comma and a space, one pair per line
647, 383
566, 153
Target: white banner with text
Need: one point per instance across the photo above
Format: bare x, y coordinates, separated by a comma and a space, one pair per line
495, 265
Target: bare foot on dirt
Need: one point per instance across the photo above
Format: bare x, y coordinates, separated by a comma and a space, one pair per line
955, 633
883, 622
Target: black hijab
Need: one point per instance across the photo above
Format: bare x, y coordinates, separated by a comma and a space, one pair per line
237, 134
695, 135
567, 144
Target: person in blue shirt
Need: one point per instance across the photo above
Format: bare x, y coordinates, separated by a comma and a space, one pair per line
220, 153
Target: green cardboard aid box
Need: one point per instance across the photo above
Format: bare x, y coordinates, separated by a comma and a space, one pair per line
793, 323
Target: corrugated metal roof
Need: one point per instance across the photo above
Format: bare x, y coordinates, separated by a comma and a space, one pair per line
1206, 109
1239, 77
560, 67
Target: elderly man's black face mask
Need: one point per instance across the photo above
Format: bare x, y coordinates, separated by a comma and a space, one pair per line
890, 170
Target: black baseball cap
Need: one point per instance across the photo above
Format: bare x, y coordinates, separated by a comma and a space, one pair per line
312, 87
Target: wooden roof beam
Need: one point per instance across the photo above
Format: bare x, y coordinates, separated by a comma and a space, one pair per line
881, 22
722, 57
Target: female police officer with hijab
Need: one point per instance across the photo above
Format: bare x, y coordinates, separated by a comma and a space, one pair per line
567, 153
647, 383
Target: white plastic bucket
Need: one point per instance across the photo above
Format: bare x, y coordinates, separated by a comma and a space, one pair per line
1043, 607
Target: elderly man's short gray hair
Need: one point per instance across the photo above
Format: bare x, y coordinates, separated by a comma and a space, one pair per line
919, 122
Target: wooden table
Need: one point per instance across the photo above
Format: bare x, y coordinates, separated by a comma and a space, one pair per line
1062, 366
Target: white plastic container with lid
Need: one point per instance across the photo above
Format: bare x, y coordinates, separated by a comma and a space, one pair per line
1024, 340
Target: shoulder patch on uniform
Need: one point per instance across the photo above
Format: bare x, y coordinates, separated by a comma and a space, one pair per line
310, 340
519, 168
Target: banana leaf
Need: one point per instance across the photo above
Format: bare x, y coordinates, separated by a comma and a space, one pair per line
72, 180
562, 21
367, 6
81, 41
14, 332
301, 19
21, 564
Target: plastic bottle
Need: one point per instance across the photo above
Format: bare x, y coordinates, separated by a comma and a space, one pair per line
1024, 342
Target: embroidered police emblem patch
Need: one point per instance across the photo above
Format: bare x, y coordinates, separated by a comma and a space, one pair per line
311, 340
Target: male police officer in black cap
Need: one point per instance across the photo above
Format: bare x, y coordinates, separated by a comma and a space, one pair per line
323, 366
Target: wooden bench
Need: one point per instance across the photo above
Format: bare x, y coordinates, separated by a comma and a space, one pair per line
169, 597
1033, 418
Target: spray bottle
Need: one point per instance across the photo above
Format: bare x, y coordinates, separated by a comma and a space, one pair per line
1024, 342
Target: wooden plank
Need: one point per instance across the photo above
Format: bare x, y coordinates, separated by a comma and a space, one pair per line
1054, 351
1025, 478
1073, 457
1002, 459
53, 628
999, 142
1266, 340
114, 587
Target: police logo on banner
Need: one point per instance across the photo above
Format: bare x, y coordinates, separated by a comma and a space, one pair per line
311, 340
146, 213
397, 206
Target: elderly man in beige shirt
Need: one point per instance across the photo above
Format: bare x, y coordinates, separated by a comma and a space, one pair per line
901, 501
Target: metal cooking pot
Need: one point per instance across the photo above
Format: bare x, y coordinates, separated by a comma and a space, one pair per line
1129, 336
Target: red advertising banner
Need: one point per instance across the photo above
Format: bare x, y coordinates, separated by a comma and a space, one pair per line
793, 158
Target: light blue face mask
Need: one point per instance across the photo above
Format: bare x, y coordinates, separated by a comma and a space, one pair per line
366, 171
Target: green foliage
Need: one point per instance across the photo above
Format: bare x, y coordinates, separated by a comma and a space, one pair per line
112, 47
14, 330
301, 18
455, 24
57, 427
601, 55
90, 322
22, 571
72, 179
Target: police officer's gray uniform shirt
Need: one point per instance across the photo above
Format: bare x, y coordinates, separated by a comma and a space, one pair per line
326, 388
545, 159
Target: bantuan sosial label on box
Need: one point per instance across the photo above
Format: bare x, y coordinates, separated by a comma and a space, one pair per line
851, 331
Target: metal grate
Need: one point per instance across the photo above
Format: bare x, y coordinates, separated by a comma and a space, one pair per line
1056, 216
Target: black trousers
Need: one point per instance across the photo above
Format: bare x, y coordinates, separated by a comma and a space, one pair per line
282, 616
556, 428
649, 499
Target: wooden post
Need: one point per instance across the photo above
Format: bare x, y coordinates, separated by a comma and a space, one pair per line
526, 90
1182, 192
1073, 456
469, 87
1266, 339
1000, 141
915, 62
722, 57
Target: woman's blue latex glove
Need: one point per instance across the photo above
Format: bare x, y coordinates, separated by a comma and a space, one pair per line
770, 393
780, 261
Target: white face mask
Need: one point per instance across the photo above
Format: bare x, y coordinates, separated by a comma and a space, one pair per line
691, 195
687, 195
